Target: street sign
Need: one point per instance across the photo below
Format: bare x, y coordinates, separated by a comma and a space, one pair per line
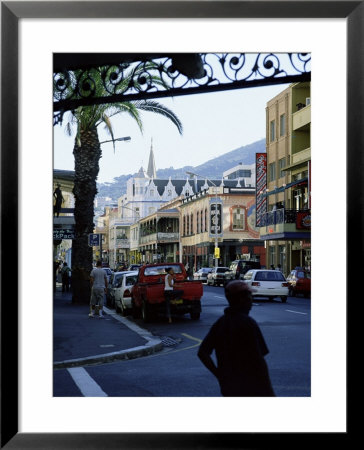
94, 240
59, 234
217, 252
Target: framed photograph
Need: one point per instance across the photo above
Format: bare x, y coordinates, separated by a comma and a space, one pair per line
30, 32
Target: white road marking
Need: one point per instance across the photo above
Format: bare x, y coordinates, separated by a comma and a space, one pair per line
86, 384
296, 312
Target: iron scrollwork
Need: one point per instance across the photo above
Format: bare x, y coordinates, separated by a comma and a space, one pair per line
175, 75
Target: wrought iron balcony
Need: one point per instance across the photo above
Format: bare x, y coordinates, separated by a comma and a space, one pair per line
283, 216
286, 224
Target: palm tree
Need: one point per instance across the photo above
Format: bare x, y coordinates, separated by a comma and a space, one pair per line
87, 153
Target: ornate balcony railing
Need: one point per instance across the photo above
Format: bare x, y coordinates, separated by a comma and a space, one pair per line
154, 76
282, 215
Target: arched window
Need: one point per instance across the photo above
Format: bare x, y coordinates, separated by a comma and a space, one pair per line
191, 224
184, 226
188, 225
198, 222
206, 219
238, 218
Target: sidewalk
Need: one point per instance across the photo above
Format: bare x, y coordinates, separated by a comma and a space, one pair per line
80, 340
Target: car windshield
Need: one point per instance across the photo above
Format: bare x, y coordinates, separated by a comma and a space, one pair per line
222, 269
267, 275
161, 270
301, 275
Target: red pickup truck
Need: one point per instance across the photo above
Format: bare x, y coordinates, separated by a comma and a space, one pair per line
147, 295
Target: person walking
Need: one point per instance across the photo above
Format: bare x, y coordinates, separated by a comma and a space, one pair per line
98, 281
239, 346
169, 292
65, 274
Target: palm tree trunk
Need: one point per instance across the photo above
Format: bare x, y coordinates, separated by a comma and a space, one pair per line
87, 158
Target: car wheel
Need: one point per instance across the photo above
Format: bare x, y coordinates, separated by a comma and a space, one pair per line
195, 315
146, 314
284, 298
135, 312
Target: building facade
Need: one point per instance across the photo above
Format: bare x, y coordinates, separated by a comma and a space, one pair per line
286, 226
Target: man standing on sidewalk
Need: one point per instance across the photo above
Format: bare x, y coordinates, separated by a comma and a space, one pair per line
98, 280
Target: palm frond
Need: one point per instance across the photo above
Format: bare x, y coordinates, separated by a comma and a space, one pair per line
155, 107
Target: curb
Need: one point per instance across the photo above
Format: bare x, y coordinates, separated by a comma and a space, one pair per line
153, 345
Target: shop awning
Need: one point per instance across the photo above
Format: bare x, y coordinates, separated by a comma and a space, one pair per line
287, 186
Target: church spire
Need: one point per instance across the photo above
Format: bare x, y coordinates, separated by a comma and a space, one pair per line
151, 171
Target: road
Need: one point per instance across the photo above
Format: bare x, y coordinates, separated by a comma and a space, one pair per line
177, 372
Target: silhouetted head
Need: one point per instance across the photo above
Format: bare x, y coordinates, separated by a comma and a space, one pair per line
99, 264
238, 293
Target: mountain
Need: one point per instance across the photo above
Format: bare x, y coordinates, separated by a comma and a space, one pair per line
213, 168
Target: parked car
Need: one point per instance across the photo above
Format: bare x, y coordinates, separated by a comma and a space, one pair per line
122, 292
109, 272
217, 276
201, 274
267, 283
148, 292
239, 268
299, 282
115, 277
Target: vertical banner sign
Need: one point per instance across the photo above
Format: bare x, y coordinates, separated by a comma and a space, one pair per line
261, 184
215, 219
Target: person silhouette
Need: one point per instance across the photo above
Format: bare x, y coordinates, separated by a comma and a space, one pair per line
59, 199
239, 346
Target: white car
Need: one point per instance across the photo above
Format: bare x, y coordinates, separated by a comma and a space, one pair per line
122, 291
267, 283
217, 276
201, 274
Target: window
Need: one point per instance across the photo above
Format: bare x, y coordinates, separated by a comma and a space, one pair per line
151, 193
191, 224
238, 219
169, 193
282, 125
272, 130
205, 219
197, 222
282, 165
272, 254
184, 225
272, 171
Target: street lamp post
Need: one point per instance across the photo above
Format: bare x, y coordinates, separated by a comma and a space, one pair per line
216, 252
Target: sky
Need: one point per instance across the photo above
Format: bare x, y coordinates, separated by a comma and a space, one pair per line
213, 124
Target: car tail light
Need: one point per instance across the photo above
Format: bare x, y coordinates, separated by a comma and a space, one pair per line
255, 283
127, 293
285, 284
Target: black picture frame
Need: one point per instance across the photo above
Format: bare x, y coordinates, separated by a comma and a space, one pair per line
11, 12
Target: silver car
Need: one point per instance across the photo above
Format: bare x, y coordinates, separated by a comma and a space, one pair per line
217, 276
201, 274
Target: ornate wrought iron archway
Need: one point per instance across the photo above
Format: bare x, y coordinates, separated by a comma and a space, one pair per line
123, 77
